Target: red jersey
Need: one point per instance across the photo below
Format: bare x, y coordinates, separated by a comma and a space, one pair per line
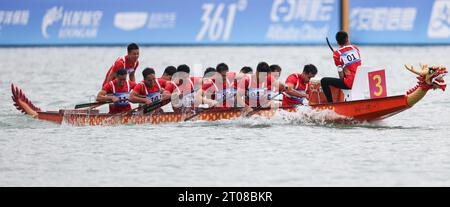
224, 93
121, 63
231, 78
188, 91
296, 80
348, 57
162, 82
250, 82
257, 92
153, 93
122, 92
171, 86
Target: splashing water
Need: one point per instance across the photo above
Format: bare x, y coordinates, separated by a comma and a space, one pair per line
307, 115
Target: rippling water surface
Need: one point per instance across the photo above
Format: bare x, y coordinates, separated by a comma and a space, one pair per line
409, 149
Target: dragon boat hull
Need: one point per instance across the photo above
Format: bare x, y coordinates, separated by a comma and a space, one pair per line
361, 110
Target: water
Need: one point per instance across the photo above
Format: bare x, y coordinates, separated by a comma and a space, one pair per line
408, 149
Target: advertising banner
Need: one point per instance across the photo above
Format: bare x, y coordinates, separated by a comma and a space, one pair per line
400, 21
69, 22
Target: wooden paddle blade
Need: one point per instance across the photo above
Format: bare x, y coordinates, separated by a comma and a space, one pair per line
329, 45
152, 107
85, 105
260, 107
255, 110
195, 115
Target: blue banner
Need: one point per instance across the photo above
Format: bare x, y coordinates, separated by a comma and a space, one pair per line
69, 22
400, 21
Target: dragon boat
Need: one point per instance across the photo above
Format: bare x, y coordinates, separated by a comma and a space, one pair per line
367, 101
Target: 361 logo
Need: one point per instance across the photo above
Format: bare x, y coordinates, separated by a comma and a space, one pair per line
215, 25
439, 26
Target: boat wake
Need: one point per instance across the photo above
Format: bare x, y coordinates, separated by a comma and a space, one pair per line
304, 116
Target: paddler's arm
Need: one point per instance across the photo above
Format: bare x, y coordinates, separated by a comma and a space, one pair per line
198, 97
136, 98
290, 91
337, 62
280, 87
274, 103
173, 96
102, 97
166, 95
132, 77
170, 94
202, 98
341, 72
110, 77
240, 96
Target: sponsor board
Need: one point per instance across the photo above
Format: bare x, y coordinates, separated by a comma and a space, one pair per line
439, 25
400, 22
221, 22
70, 22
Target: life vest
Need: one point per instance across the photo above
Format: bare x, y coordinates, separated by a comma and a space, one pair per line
155, 96
350, 59
350, 56
256, 94
129, 70
123, 96
226, 95
189, 98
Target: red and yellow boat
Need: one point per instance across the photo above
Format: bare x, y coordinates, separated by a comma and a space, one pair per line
353, 108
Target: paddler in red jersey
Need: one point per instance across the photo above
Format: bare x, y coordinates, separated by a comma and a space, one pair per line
182, 89
297, 86
244, 72
347, 59
119, 90
220, 91
275, 71
258, 90
150, 90
168, 73
128, 62
208, 77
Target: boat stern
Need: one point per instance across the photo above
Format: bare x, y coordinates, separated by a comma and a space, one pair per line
22, 103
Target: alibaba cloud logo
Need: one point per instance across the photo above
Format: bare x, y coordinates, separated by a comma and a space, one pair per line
130, 20
439, 26
52, 15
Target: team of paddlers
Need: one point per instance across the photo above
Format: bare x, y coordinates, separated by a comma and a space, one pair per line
220, 88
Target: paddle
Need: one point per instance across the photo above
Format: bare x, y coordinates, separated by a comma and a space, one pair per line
341, 74
200, 111
93, 104
146, 108
155, 106
259, 107
329, 45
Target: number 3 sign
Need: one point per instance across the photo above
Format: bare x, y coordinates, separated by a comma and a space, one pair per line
377, 84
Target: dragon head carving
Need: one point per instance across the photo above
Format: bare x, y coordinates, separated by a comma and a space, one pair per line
430, 77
